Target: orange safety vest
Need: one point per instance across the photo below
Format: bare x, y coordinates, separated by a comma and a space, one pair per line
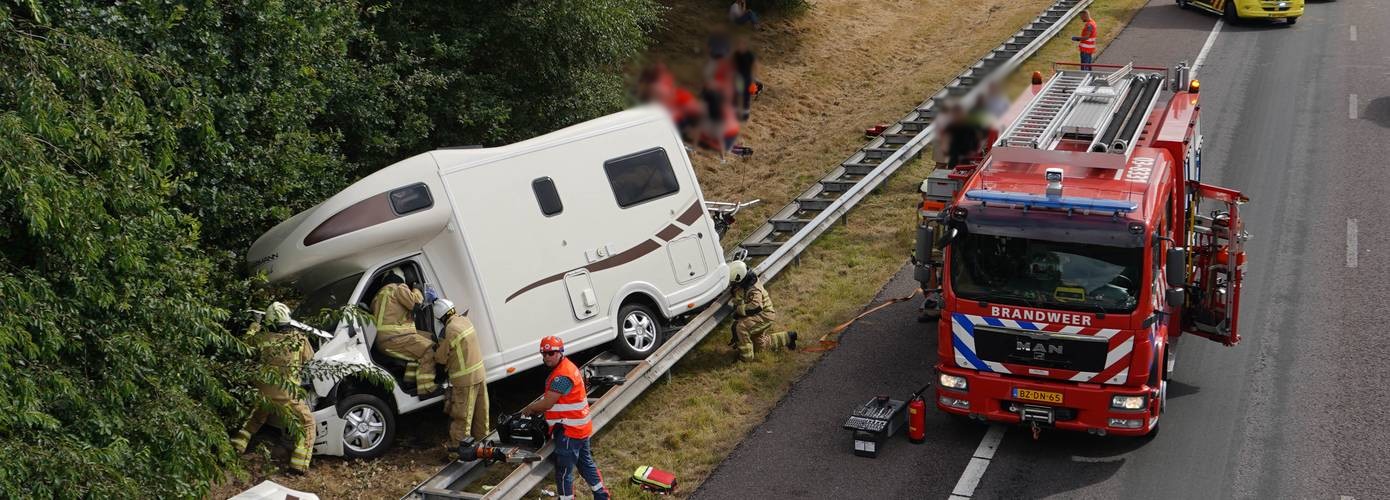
572, 409
1088, 38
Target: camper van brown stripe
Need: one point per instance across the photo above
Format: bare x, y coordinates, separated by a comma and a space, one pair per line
616, 260
691, 214
360, 215
669, 233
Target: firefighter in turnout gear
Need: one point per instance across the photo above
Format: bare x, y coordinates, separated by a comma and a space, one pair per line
460, 353
285, 351
396, 335
754, 315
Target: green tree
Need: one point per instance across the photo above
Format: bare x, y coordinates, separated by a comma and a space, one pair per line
103, 320
145, 144
501, 70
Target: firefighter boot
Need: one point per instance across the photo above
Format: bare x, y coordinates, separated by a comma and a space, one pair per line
791, 340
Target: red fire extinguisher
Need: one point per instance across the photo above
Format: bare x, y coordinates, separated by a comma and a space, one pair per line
917, 416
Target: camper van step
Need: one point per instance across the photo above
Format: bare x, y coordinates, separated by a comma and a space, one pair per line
837, 185
814, 204
789, 225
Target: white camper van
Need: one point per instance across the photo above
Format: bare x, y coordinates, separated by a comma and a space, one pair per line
596, 233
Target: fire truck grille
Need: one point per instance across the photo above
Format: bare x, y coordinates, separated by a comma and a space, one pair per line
1068, 352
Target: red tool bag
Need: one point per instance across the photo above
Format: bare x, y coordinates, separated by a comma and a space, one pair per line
654, 480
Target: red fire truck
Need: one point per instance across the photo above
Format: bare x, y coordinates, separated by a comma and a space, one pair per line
1072, 256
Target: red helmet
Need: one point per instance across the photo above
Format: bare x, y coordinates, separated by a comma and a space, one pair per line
552, 344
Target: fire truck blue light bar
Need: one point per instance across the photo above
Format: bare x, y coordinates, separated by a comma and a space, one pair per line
1056, 202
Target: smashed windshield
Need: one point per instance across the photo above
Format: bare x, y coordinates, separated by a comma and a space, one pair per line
1046, 274
319, 308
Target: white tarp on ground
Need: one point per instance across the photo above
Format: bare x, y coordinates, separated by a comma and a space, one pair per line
270, 490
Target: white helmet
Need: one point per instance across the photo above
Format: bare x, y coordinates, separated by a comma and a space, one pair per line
443, 307
277, 314
737, 271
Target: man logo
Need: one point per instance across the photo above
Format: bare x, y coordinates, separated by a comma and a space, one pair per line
1039, 349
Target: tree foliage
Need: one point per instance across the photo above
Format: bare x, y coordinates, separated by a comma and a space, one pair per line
144, 145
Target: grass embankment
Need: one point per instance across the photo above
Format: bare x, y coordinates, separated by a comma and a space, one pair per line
841, 66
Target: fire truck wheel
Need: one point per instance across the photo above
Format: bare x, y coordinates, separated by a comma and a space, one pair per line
1182, 4
1230, 13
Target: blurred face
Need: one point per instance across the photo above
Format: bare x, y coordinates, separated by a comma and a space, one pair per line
552, 358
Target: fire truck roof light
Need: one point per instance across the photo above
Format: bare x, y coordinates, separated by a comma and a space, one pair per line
1056, 202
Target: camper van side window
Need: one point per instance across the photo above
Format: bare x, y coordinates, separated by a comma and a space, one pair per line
641, 177
546, 196
412, 198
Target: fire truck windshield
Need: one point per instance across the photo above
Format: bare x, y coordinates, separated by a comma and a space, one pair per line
1046, 274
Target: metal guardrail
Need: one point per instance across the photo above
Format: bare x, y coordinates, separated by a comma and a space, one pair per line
830, 198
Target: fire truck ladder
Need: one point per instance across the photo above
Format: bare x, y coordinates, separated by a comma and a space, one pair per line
1094, 112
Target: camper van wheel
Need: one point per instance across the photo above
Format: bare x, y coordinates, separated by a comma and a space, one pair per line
370, 427
639, 332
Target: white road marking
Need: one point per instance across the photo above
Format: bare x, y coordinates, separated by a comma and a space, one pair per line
965, 486
1351, 243
1206, 47
1099, 460
1353, 32
1351, 106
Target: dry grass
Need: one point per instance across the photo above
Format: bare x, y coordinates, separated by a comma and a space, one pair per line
830, 72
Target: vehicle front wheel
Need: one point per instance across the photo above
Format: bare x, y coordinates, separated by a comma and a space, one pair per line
370, 426
639, 332
1230, 12
1291, 20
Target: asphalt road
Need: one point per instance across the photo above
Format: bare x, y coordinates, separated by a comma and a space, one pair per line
1291, 412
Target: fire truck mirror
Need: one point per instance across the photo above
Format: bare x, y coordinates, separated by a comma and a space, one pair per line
1177, 267
1176, 297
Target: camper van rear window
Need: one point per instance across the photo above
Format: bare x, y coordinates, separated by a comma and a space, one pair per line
546, 196
411, 198
641, 177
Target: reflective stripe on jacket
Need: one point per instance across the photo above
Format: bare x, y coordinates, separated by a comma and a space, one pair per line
391, 309
460, 353
285, 353
1088, 38
572, 409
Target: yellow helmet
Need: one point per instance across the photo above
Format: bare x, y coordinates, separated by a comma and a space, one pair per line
737, 271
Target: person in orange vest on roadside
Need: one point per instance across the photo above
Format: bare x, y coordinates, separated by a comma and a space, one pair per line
1087, 41
566, 410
